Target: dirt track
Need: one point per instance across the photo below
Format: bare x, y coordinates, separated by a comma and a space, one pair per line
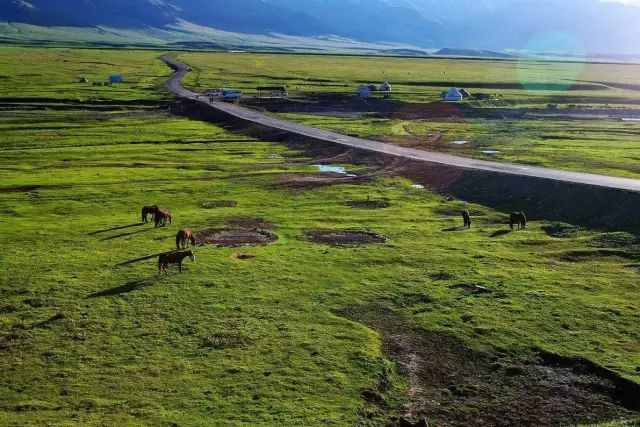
174, 84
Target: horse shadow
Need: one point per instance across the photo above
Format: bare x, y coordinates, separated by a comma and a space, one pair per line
121, 227
144, 258
124, 289
501, 233
117, 236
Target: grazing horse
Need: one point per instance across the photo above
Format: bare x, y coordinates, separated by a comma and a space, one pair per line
518, 218
184, 237
174, 258
149, 210
466, 217
161, 218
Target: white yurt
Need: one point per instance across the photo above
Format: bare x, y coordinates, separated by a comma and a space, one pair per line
364, 91
385, 87
453, 95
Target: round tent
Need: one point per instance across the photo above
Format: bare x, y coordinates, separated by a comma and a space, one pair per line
453, 95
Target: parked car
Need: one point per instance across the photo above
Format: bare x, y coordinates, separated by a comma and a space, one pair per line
230, 94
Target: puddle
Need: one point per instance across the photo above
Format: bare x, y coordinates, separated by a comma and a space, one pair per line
334, 169
344, 237
418, 186
490, 152
630, 119
460, 142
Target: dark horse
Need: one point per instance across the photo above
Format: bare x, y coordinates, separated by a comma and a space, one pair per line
174, 258
161, 217
184, 237
466, 217
518, 218
149, 210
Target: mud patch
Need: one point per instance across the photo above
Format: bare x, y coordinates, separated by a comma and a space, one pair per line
243, 257
368, 204
451, 384
580, 255
313, 181
236, 237
217, 204
343, 237
618, 240
560, 230
224, 340
472, 289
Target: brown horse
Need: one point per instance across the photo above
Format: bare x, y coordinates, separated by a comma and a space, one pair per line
149, 210
184, 237
174, 258
161, 218
466, 217
518, 218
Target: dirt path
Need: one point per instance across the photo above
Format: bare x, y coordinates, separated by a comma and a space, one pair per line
174, 84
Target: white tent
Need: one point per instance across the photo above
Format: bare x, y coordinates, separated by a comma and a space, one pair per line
385, 87
364, 91
453, 95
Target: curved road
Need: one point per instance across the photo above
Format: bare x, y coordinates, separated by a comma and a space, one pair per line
174, 84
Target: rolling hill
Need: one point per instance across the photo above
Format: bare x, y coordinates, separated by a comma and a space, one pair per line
558, 26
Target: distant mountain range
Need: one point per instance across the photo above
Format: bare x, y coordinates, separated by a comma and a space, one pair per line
574, 26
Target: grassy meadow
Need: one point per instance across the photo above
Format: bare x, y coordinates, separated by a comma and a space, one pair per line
416, 79
585, 133
90, 334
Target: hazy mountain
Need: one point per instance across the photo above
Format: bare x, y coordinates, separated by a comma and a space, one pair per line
560, 25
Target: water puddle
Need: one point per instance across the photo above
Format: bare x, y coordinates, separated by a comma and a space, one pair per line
490, 152
334, 169
631, 119
418, 186
460, 142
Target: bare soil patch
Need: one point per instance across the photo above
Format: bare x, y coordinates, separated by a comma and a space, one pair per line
215, 204
368, 204
236, 237
344, 237
451, 384
243, 257
313, 181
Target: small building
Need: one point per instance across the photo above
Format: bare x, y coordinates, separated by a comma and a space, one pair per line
83, 80
211, 93
116, 78
272, 91
453, 95
364, 91
465, 93
385, 87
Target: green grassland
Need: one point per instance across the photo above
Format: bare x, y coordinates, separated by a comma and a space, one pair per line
51, 75
604, 147
414, 79
582, 140
90, 334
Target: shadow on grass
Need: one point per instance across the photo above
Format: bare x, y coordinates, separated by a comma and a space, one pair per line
452, 229
117, 236
501, 233
143, 258
122, 227
124, 289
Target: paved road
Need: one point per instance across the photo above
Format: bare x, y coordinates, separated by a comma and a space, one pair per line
174, 84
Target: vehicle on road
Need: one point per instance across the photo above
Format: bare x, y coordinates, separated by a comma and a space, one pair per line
230, 94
